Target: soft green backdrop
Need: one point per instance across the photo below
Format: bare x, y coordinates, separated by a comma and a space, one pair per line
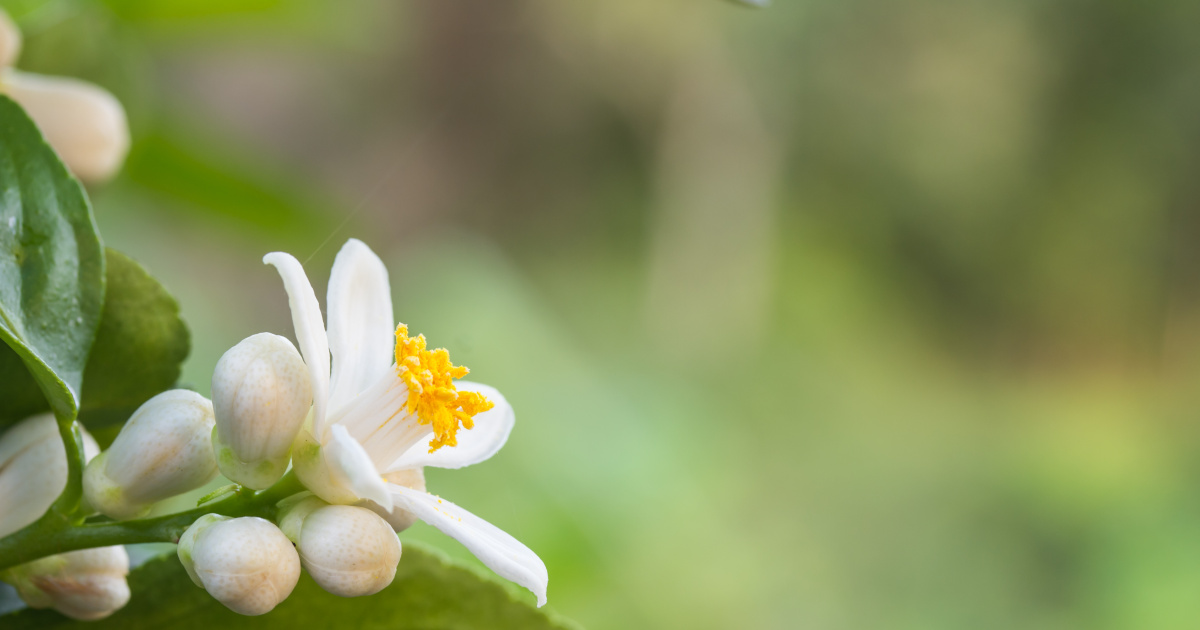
842, 314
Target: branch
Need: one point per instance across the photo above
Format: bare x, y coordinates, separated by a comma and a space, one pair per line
51, 535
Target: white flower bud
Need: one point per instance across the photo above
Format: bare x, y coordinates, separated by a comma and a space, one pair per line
349, 551
245, 563
84, 123
33, 470
399, 518
261, 393
10, 40
86, 585
165, 449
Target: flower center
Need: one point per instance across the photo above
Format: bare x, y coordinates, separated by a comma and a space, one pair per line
430, 376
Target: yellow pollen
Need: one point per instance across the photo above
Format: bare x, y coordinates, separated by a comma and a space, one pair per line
429, 376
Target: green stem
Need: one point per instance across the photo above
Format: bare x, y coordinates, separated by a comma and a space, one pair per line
53, 534
68, 503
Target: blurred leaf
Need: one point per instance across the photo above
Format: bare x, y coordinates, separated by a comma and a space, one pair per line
427, 593
139, 347
220, 181
183, 10
51, 264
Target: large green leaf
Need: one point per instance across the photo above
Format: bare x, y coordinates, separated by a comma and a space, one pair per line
428, 593
139, 347
51, 263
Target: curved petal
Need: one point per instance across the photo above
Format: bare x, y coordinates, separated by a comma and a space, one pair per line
474, 445
310, 330
499, 551
351, 467
361, 328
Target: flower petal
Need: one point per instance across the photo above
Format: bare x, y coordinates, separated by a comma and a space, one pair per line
310, 330
474, 445
499, 551
351, 467
361, 328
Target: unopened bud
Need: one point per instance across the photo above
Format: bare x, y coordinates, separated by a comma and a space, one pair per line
84, 123
165, 449
245, 563
349, 551
261, 393
33, 470
10, 40
87, 585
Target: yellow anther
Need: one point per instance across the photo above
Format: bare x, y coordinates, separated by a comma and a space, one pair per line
429, 376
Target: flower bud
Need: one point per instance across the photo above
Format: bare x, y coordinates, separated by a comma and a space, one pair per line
261, 393
86, 585
245, 563
10, 40
163, 450
33, 470
349, 551
84, 123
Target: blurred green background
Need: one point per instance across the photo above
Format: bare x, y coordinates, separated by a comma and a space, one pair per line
840, 314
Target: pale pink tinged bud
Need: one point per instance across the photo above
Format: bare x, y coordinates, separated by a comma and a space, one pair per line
84, 123
261, 393
86, 585
165, 449
33, 470
10, 40
348, 551
245, 563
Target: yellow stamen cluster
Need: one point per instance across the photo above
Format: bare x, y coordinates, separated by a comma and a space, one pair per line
430, 376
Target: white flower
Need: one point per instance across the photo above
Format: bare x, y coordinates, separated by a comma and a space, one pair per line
87, 585
33, 470
165, 449
261, 394
245, 563
374, 421
84, 123
349, 551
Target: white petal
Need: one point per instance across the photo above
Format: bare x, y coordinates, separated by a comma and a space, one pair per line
84, 123
361, 328
90, 447
310, 330
499, 551
474, 445
352, 468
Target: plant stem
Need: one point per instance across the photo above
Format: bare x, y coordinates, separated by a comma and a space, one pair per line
51, 534
68, 503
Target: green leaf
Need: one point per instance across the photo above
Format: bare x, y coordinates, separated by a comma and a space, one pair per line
428, 593
139, 348
51, 263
